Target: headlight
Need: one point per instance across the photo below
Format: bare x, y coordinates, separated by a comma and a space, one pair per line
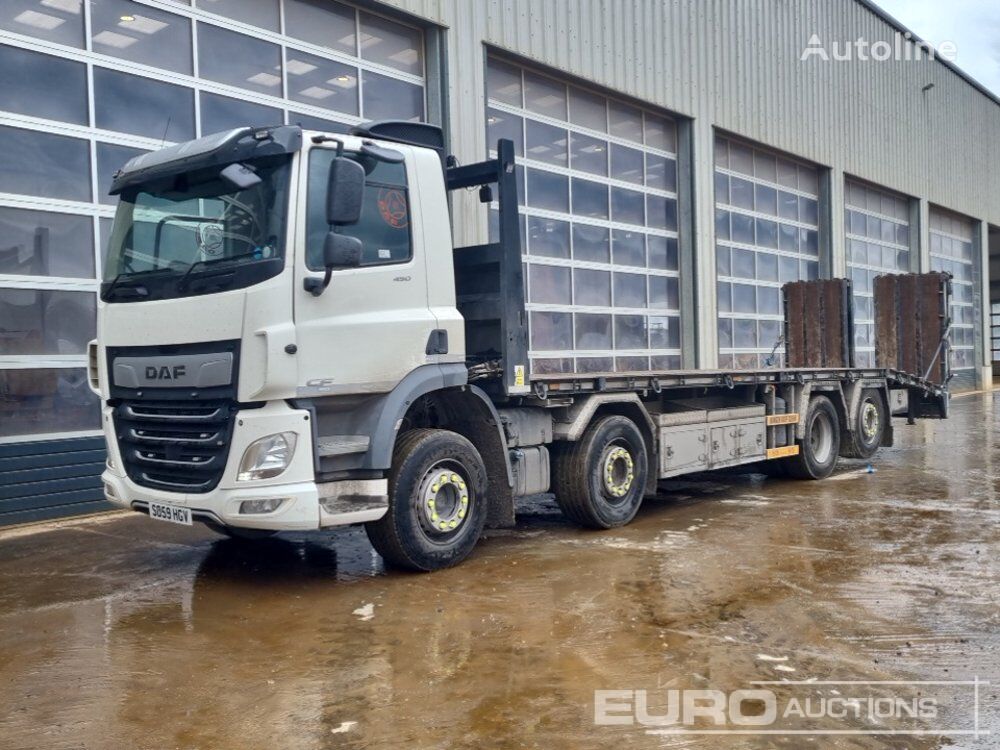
267, 457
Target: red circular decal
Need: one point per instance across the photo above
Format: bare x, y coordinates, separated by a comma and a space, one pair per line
392, 207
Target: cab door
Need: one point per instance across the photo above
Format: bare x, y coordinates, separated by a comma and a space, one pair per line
371, 326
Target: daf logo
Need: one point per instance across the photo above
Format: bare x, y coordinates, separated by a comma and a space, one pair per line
165, 373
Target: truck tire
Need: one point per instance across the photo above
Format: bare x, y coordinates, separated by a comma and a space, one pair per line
869, 426
437, 502
599, 481
819, 451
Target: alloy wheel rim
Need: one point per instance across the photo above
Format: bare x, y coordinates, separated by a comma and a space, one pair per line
444, 498
617, 471
869, 420
821, 438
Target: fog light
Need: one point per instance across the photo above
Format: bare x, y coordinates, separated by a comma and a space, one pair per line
267, 457
268, 505
109, 492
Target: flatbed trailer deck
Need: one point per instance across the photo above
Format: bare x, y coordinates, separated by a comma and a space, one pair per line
656, 381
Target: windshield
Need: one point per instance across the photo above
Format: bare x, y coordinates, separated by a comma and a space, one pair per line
195, 232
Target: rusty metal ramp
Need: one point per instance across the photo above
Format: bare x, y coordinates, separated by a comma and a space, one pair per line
912, 324
819, 324
911, 333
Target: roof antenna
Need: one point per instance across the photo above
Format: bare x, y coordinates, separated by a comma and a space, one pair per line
166, 128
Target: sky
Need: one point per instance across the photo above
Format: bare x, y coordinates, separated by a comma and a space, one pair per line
972, 25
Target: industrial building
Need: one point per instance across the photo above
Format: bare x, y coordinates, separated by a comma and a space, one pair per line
704, 144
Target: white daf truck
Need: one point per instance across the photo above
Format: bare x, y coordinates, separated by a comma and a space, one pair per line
288, 340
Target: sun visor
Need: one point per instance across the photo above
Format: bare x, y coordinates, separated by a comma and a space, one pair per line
239, 144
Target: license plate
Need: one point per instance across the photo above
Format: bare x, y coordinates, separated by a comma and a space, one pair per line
171, 513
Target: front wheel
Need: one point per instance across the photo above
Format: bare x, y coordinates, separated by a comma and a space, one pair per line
600, 480
437, 502
818, 451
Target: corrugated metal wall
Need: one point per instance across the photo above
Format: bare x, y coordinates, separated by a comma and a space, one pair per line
51, 478
736, 65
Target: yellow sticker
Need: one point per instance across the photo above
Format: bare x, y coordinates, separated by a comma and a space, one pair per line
782, 452
777, 419
518, 374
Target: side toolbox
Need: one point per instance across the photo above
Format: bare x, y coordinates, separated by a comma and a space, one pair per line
709, 433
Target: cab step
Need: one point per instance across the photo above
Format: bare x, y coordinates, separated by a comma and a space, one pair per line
342, 445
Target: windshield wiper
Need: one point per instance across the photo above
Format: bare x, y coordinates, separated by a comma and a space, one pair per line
183, 283
137, 291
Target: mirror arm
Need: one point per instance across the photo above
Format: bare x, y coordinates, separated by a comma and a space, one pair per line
330, 139
315, 286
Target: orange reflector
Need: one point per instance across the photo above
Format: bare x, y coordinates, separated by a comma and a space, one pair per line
787, 450
776, 419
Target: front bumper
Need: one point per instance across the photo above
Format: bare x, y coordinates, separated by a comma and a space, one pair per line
306, 505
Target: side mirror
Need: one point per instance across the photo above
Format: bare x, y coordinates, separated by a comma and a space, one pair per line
344, 191
341, 251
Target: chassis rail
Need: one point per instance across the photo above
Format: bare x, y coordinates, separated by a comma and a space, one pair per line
576, 383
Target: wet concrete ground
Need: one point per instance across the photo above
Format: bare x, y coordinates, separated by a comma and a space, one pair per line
122, 632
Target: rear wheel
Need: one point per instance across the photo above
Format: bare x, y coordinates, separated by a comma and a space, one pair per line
600, 480
820, 447
869, 425
437, 502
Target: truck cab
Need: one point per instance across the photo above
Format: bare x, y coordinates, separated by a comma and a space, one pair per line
236, 362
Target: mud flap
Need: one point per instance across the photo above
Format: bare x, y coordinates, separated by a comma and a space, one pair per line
927, 405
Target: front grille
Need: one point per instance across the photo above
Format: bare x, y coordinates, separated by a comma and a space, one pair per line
173, 446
